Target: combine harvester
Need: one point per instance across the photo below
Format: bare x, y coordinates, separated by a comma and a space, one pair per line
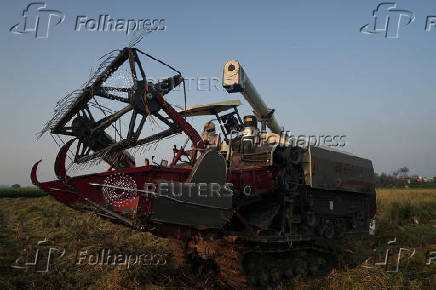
257, 206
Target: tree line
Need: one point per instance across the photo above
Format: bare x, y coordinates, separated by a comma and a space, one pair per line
401, 178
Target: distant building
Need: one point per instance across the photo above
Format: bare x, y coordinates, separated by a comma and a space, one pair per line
405, 179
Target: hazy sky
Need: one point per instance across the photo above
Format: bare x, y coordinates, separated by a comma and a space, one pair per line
308, 59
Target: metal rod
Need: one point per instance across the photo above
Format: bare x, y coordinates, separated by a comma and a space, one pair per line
108, 211
158, 195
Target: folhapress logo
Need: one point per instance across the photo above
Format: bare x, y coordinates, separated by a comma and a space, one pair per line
38, 20
388, 20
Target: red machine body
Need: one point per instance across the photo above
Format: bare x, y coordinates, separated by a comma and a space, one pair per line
270, 201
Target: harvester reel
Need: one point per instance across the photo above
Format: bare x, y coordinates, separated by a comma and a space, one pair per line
142, 99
